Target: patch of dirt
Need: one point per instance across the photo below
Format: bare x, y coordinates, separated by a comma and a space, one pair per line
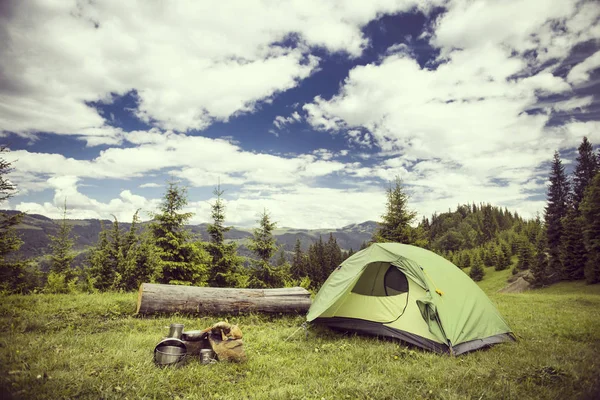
518, 286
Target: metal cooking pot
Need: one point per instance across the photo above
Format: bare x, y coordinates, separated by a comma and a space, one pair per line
193, 336
170, 351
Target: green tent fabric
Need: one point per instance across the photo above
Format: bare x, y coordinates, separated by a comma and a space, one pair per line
412, 294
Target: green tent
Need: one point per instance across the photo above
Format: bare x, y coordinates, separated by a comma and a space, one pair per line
411, 294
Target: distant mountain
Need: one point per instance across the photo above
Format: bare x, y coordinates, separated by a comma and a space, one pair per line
35, 230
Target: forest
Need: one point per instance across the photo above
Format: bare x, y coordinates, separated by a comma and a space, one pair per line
563, 244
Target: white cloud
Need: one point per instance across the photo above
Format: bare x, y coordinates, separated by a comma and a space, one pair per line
177, 155
190, 63
581, 72
79, 206
467, 118
150, 185
573, 103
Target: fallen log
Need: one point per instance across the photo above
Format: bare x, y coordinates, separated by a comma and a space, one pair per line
157, 298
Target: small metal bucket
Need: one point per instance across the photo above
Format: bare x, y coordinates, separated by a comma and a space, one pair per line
207, 356
170, 351
176, 330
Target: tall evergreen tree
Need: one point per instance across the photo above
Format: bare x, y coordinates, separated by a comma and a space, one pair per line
573, 253
316, 263
225, 268
100, 268
132, 236
263, 245
584, 172
116, 259
489, 225
525, 254
183, 261
142, 263
62, 249
555, 211
16, 275
590, 212
395, 225
540, 265
298, 269
333, 254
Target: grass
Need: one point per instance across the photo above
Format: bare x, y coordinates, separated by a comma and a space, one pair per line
91, 346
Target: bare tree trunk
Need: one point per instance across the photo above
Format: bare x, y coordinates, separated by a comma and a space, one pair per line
156, 298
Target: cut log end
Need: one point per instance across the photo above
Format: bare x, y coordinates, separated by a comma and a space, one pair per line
139, 299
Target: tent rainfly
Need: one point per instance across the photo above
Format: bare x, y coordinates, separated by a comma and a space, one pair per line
412, 294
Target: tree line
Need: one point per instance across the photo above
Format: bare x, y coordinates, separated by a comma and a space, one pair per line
563, 245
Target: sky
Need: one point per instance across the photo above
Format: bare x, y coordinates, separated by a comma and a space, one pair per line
304, 108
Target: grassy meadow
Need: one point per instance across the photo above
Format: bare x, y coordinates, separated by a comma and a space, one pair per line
92, 346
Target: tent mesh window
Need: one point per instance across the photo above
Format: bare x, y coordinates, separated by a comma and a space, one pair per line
381, 279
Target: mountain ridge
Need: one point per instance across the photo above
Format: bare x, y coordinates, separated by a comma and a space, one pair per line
35, 231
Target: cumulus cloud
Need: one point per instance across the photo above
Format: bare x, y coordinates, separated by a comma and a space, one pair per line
468, 118
189, 64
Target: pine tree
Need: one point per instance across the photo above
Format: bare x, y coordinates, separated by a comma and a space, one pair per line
525, 254
62, 244
555, 211
16, 275
477, 272
573, 253
584, 172
590, 212
183, 260
333, 254
539, 267
264, 246
142, 263
489, 223
132, 236
100, 268
395, 226
225, 270
316, 263
115, 258
504, 257
298, 269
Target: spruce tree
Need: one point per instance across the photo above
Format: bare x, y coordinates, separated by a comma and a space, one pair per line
477, 271
116, 259
489, 223
298, 269
539, 267
184, 261
16, 275
316, 263
142, 263
333, 254
395, 225
225, 268
573, 251
590, 213
503, 257
132, 236
584, 172
100, 268
62, 249
264, 246
555, 211
525, 254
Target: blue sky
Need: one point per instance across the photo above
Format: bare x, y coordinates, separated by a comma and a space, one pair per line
304, 108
